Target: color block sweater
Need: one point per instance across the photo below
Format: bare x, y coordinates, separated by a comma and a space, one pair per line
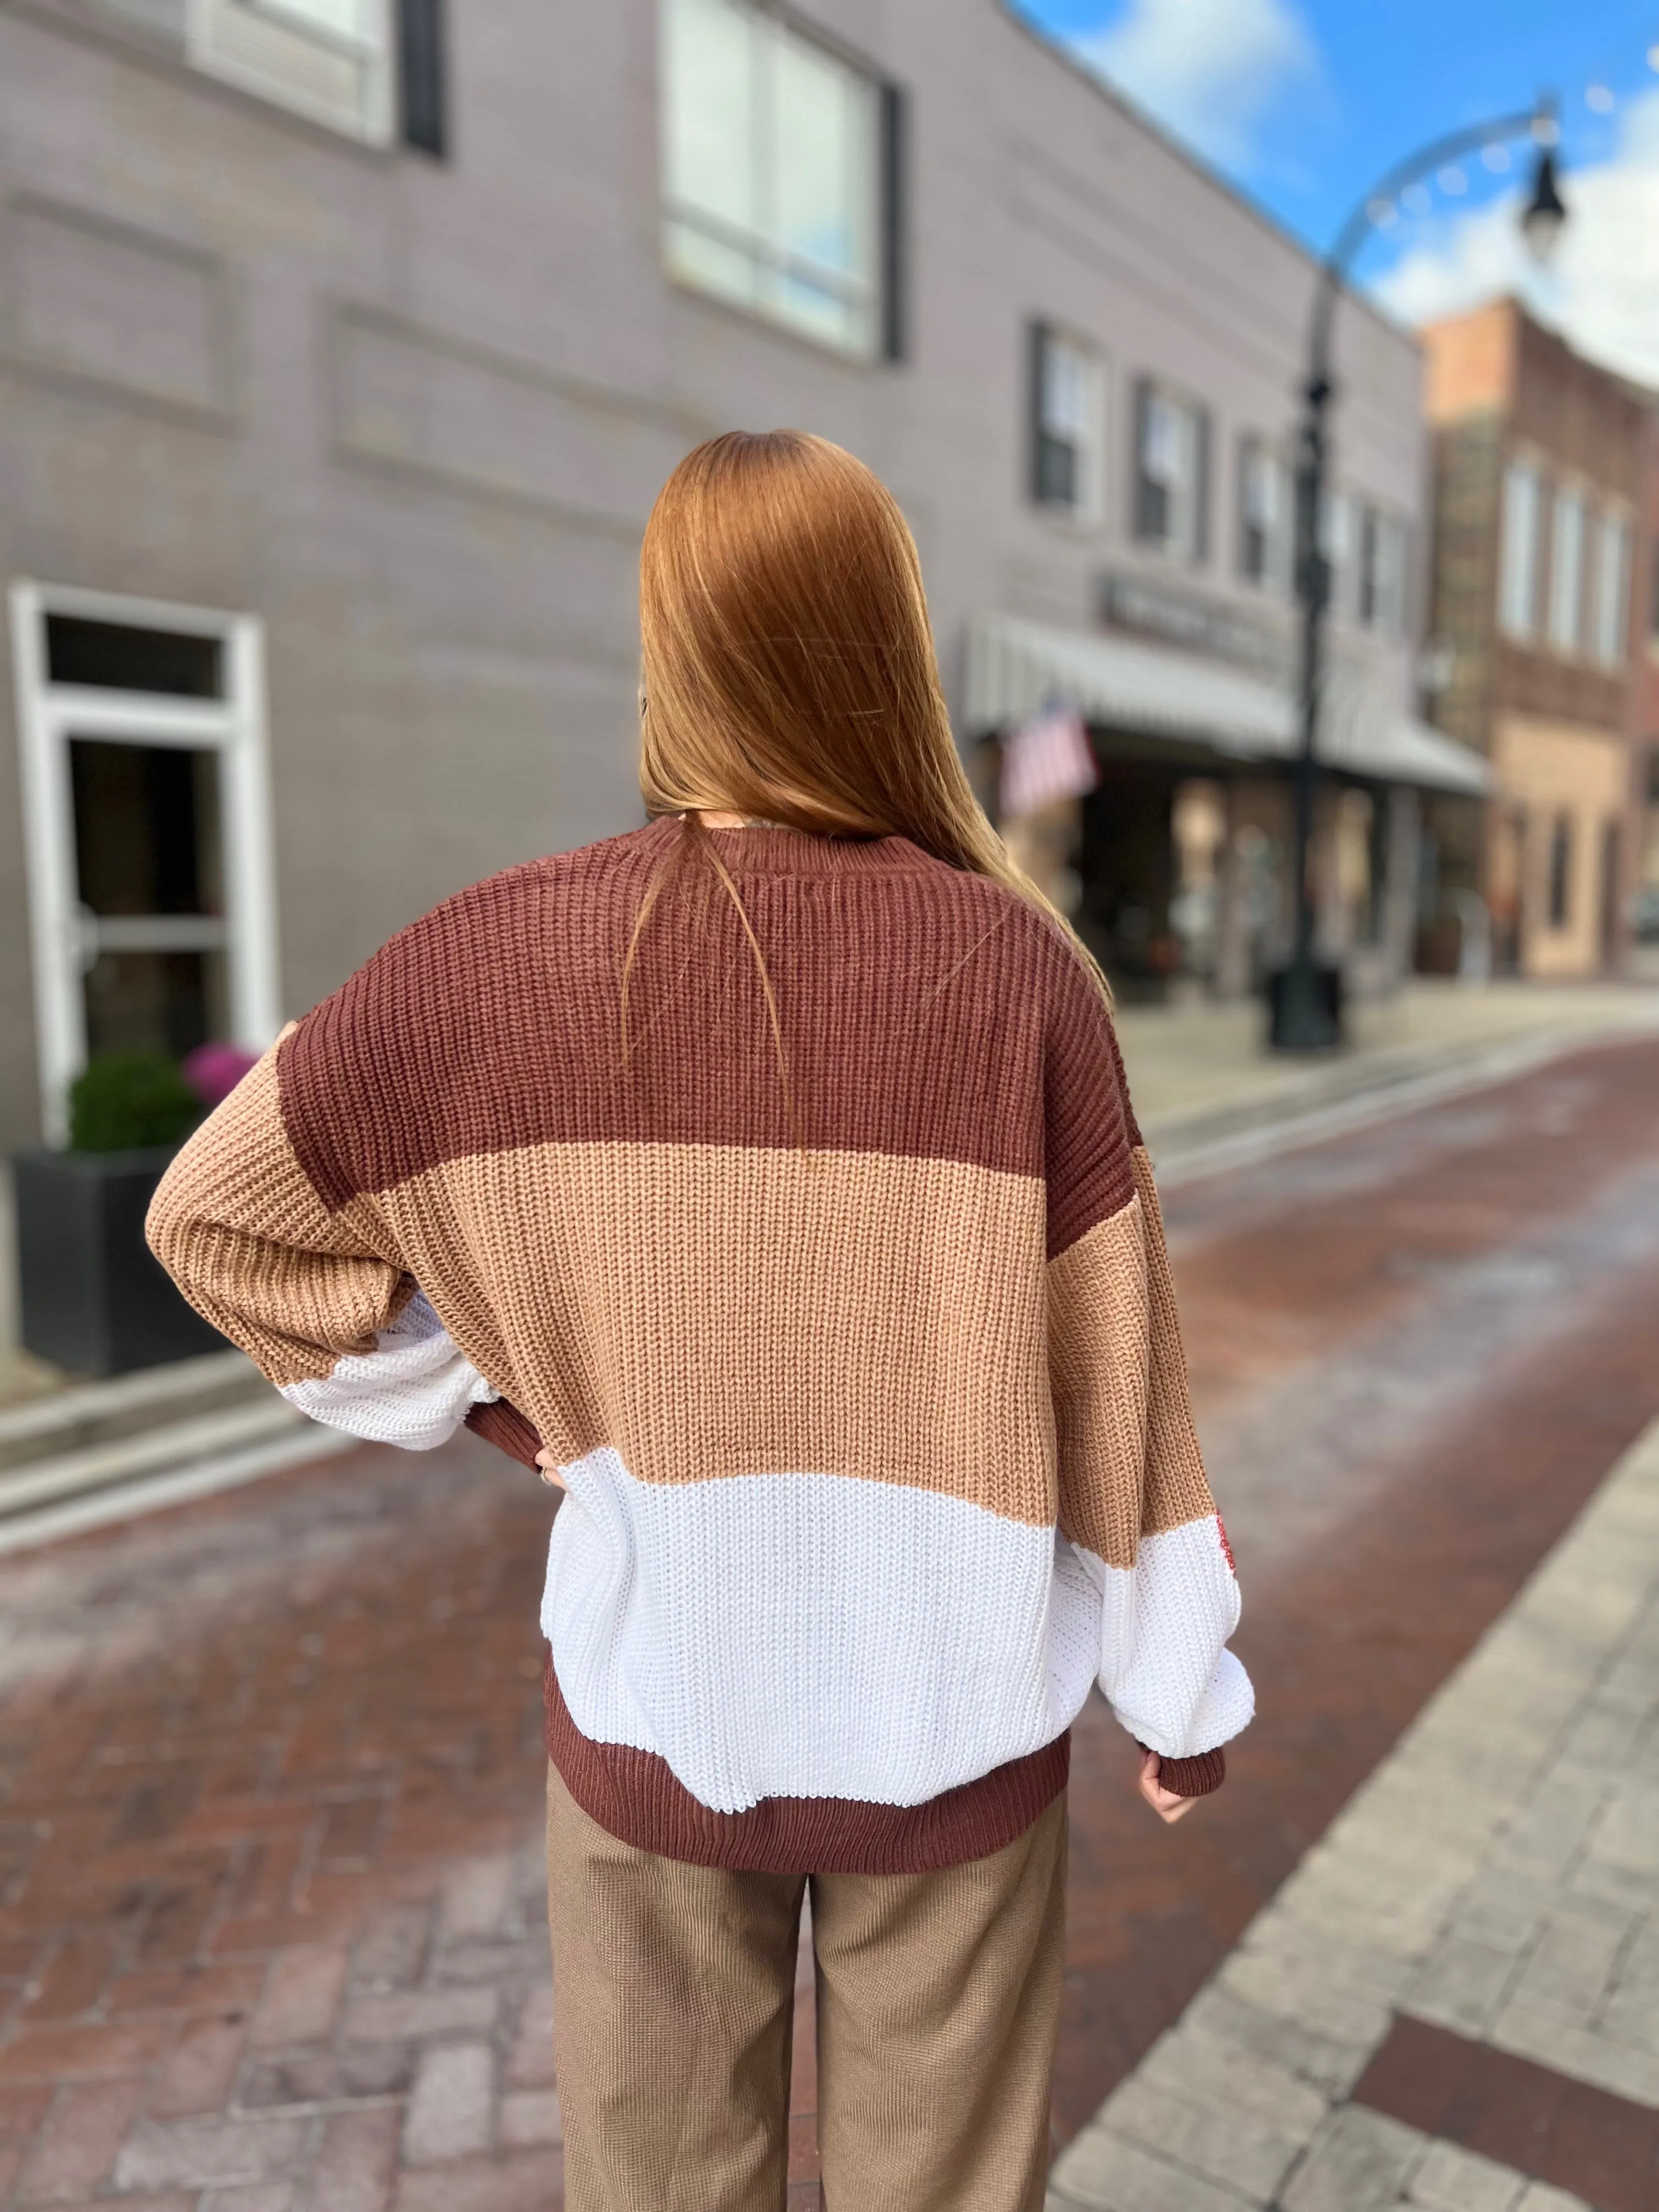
859, 1363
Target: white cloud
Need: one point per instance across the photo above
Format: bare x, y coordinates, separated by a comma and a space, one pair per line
1600, 290
1213, 71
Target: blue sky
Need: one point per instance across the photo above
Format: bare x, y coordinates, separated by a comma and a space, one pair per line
1304, 103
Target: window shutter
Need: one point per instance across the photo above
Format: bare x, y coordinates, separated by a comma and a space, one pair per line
420, 75
1036, 353
1247, 522
1200, 483
895, 217
1147, 507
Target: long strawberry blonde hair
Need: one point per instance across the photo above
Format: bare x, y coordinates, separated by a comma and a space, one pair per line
788, 671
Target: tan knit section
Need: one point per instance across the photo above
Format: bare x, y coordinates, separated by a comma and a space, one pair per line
237, 1226
1128, 1457
1177, 1490
715, 1310
1098, 1367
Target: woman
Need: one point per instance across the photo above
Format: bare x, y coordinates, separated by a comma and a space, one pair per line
768, 1176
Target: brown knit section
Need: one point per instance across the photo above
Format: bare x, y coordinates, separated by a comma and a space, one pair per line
634, 1794
1193, 1778
506, 1427
237, 1224
1177, 1490
712, 1310
915, 1002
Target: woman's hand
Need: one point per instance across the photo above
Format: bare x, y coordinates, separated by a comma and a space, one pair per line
1168, 1807
549, 1467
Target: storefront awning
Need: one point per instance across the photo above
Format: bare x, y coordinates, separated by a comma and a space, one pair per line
1017, 668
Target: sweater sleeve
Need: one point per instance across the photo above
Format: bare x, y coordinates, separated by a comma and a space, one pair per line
1134, 1502
316, 1295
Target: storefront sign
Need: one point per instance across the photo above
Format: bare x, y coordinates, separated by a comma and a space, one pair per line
1153, 610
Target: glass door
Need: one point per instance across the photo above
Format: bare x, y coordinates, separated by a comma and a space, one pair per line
149, 884
147, 822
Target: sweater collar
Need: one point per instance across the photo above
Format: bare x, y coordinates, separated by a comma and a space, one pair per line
774, 851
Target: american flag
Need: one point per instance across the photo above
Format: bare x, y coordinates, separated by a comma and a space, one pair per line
1044, 760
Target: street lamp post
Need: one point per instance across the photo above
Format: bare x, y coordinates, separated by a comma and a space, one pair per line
1306, 1014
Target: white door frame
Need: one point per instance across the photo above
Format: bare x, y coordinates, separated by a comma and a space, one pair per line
48, 715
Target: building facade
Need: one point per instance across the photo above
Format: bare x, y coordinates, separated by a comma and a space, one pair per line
1539, 459
343, 349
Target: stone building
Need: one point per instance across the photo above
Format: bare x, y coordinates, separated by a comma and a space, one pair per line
1539, 459
344, 347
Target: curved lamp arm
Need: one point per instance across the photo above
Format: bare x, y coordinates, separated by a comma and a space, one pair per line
1538, 123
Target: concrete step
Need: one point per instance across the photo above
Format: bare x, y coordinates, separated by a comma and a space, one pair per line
167, 1445
99, 1452
91, 1414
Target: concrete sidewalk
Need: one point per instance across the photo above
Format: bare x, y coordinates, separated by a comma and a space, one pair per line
1453, 2004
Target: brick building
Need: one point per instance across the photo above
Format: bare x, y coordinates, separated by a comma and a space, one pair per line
1538, 460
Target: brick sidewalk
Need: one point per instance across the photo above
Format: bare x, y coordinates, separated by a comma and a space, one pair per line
1453, 2004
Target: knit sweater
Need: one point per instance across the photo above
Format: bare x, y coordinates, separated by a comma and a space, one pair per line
855, 1343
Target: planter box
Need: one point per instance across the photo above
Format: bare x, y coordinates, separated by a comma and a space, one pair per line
94, 1298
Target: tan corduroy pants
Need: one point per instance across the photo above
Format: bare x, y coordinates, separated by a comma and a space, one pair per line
937, 2000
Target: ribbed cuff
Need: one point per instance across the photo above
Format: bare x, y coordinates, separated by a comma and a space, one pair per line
503, 1426
1192, 1777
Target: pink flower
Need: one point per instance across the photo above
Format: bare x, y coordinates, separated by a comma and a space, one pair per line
213, 1071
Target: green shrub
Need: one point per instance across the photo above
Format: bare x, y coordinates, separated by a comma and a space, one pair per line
125, 1100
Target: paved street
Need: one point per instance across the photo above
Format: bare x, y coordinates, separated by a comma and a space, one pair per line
269, 1926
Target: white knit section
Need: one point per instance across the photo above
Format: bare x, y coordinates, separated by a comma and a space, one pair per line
812, 1635
414, 1389
826, 1636
1165, 1667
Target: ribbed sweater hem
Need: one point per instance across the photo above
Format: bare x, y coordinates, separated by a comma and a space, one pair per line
636, 1796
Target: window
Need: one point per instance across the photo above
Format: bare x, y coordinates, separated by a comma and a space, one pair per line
1611, 590
146, 820
1265, 515
1560, 871
332, 61
1517, 587
775, 150
1171, 470
1567, 572
1340, 532
1067, 406
1382, 571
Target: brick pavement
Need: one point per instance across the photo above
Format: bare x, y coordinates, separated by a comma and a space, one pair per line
271, 1922
1453, 2003
270, 1928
